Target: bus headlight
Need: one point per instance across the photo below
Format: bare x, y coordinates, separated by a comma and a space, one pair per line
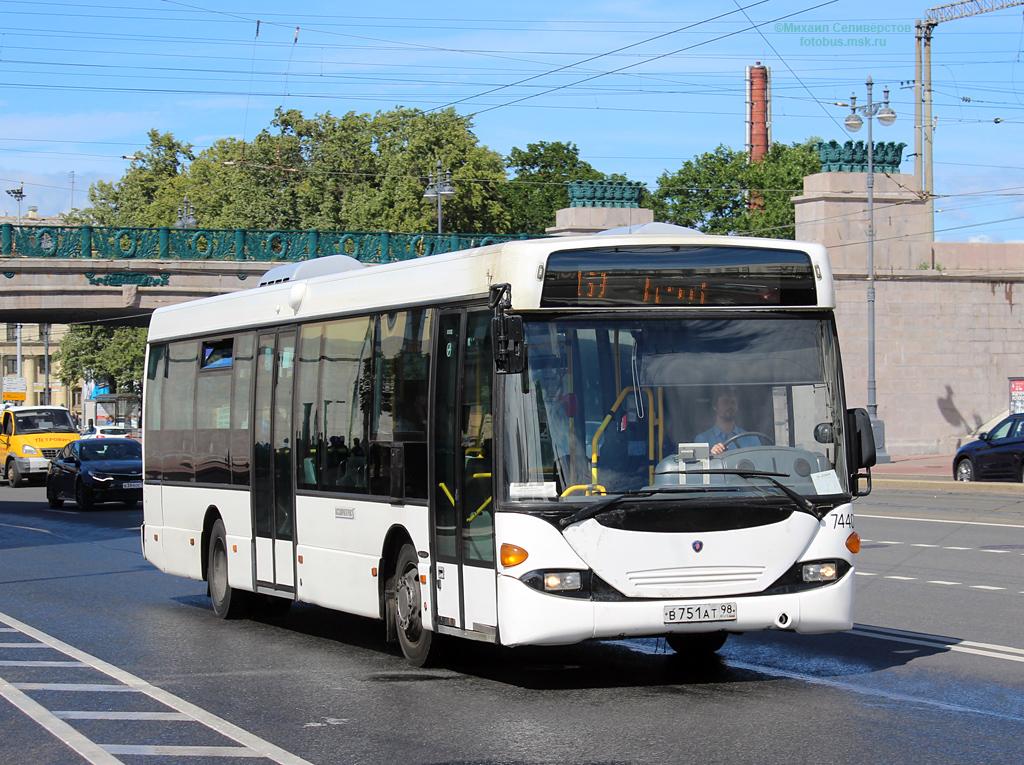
575, 584
556, 581
26, 449
825, 571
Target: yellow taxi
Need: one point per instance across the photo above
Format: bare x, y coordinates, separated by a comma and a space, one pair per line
29, 437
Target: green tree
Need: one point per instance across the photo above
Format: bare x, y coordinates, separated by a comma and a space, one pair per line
356, 172
720, 192
538, 188
113, 356
143, 196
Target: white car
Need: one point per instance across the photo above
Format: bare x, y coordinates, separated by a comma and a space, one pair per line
109, 431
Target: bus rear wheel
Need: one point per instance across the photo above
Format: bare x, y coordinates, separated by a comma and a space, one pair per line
419, 645
697, 644
228, 603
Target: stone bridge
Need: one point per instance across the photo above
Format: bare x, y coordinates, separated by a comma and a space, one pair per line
79, 274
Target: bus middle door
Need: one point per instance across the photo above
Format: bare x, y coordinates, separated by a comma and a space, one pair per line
273, 500
462, 487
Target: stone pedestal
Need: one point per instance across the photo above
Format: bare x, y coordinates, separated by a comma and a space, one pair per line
572, 221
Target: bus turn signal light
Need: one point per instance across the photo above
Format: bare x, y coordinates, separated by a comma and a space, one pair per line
512, 555
853, 542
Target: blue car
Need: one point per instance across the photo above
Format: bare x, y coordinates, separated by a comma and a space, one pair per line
94, 471
996, 456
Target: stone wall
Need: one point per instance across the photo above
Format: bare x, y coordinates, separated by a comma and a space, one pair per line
949, 316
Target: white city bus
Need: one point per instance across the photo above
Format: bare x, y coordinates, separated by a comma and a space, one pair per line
502, 443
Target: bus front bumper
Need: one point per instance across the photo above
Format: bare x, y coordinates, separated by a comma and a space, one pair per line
529, 617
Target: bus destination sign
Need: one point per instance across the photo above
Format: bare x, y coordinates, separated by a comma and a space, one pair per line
678, 276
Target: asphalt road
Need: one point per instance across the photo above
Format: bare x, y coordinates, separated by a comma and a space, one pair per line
934, 671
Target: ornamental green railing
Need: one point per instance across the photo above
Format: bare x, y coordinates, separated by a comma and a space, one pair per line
111, 243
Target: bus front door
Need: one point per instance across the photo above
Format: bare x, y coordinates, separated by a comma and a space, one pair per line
462, 487
273, 503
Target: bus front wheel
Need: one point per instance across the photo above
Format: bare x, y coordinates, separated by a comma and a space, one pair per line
228, 603
696, 645
418, 644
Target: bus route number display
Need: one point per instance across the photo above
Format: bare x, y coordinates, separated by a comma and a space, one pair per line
700, 276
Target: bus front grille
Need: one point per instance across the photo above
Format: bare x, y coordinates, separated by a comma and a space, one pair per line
698, 576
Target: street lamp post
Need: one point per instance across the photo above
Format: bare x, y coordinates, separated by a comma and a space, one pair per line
886, 116
439, 189
186, 215
19, 194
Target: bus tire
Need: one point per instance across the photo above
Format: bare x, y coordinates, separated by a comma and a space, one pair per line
14, 477
419, 645
228, 603
697, 644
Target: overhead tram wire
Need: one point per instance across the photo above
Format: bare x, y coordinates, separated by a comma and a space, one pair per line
593, 58
647, 61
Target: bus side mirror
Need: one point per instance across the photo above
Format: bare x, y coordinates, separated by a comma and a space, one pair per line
860, 449
507, 335
509, 352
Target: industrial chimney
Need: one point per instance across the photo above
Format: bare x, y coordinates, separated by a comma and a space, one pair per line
759, 111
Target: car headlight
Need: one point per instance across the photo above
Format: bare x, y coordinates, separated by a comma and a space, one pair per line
26, 449
102, 477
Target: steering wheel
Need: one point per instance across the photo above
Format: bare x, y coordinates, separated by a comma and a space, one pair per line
764, 438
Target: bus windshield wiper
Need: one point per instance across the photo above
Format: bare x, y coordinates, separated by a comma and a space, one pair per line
803, 504
600, 507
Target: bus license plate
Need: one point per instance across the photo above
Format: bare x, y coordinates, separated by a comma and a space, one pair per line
132, 485
705, 612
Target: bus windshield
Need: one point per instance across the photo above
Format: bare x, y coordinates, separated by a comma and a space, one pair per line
43, 421
614, 405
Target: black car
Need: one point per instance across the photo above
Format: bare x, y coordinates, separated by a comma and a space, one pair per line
997, 455
94, 471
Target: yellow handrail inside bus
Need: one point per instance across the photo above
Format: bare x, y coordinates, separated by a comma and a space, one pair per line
447, 493
589, 488
479, 510
608, 418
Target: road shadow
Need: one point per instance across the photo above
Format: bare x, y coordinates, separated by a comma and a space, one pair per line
647, 663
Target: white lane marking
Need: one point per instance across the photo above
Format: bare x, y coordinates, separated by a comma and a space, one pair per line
152, 716
89, 687
900, 697
865, 573
183, 751
255, 744
903, 578
994, 551
24, 645
921, 545
89, 750
985, 587
941, 520
7, 629
957, 548
939, 581
12, 663
888, 542
940, 639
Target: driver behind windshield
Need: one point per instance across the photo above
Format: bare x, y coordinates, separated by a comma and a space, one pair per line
725, 404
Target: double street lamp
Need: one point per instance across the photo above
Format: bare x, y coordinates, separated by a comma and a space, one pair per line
886, 116
439, 189
19, 194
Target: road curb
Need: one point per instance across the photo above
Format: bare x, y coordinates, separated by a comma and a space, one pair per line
947, 486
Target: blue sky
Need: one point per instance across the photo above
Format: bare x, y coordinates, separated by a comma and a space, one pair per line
640, 86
